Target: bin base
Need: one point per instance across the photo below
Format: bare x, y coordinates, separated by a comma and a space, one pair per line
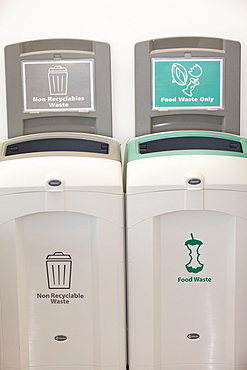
86, 367
189, 367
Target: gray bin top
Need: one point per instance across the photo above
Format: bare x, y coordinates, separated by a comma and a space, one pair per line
187, 83
58, 85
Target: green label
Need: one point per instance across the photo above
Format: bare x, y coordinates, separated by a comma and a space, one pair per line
194, 265
193, 83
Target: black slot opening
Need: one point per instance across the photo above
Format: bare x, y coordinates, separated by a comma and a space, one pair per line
190, 143
58, 144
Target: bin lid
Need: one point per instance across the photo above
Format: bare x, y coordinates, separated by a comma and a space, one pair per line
58, 85
60, 161
58, 256
187, 83
166, 160
60, 144
186, 143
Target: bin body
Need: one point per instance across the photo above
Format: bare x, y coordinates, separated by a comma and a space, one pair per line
62, 262
186, 252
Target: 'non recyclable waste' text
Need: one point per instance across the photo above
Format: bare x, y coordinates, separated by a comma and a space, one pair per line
60, 298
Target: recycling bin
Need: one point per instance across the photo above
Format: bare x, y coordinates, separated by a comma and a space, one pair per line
186, 198
62, 265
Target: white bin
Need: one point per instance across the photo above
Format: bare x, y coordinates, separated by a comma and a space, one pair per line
62, 253
186, 237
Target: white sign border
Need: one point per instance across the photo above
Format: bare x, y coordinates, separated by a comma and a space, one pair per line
52, 62
221, 107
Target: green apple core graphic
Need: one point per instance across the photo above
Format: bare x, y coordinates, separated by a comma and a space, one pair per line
194, 265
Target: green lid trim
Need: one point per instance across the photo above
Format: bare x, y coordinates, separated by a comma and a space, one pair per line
133, 151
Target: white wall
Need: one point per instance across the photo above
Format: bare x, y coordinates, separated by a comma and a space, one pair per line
121, 24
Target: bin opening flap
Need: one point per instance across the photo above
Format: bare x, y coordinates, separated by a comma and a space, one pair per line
57, 144
190, 143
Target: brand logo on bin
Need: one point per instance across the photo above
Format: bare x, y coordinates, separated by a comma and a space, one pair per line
193, 336
194, 181
60, 338
59, 270
55, 182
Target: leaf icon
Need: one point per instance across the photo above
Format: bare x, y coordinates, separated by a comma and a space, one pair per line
179, 74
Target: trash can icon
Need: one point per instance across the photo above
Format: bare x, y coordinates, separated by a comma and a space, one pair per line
58, 268
58, 80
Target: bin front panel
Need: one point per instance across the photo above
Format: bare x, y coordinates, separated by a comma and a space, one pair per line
186, 286
62, 292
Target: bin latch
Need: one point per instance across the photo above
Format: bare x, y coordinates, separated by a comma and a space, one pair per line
194, 194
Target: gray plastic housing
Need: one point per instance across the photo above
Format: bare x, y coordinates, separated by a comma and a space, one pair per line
151, 119
69, 144
29, 68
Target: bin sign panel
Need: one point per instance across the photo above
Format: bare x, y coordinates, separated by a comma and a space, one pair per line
61, 85
187, 84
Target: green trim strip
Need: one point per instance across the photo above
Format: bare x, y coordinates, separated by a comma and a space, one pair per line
133, 152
